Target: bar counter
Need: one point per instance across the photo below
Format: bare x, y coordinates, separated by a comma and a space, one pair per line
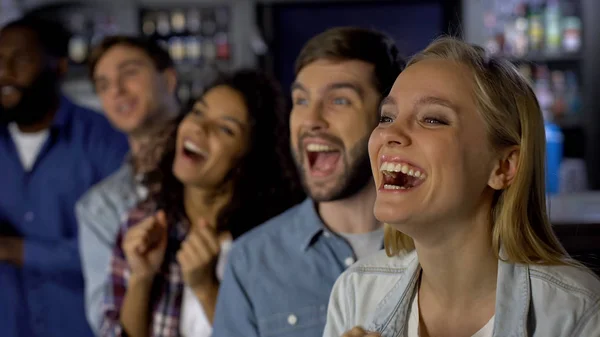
576, 221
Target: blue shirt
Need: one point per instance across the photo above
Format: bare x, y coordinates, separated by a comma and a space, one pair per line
100, 213
279, 276
45, 296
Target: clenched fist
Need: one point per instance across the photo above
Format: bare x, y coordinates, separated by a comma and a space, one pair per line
144, 245
198, 256
360, 332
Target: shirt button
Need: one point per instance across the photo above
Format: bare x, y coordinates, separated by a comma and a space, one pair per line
349, 261
29, 216
292, 319
327, 234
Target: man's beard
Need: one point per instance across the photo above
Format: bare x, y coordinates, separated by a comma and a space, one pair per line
357, 174
35, 103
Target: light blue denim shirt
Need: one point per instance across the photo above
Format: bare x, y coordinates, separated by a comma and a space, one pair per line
279, 276
531, 300
100, 213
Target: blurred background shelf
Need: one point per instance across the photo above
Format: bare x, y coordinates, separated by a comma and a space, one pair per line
554, 42
547, 57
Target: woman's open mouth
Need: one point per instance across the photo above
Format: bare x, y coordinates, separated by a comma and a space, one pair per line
400, 176
193, 151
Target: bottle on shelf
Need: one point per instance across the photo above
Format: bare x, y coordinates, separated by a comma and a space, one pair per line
553, 27
178, 21
559, 88
149, 24
163, 27
554, 154
222, 46
536, 28
193, 48
573, 95
184, 93
193, 21
521, 27
79, 42
571, 38
176, 49
554, 136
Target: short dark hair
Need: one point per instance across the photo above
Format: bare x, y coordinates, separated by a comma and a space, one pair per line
52, 36
160, 57
353, 43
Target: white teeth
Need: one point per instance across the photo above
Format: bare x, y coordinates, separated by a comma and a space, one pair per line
193, 148
404, 168
124, 107
8, 89
393, 187
319, 148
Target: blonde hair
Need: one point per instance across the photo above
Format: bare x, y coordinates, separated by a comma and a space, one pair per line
513, 117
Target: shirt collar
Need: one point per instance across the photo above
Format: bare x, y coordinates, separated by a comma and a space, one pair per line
513, 298
308, 223
63, 114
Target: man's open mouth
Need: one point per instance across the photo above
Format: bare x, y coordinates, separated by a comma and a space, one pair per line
401, 176
322, 159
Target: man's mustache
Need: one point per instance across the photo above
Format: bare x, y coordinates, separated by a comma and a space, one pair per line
327, 137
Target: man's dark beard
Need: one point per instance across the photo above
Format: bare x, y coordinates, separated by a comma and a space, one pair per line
35, 103
356, 174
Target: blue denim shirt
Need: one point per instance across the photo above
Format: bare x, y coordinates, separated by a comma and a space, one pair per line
100, 213
45, 296
531, 300
279, 276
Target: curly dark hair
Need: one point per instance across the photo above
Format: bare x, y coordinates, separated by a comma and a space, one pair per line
265, 182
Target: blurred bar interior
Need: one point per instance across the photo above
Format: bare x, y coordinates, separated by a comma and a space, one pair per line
555, 43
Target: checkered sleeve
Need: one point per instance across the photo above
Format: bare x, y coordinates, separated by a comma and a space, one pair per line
118, 277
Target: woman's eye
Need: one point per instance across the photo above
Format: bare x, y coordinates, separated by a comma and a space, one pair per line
341, 101
383, 119
226, 130
434, 121
300, 101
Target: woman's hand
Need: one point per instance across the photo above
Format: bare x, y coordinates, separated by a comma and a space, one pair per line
360, 332
145, 244
198, 257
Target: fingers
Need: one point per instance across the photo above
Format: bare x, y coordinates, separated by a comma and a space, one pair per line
184, 257
161, 218
360, 332
147, 232
200, 246
132, 244
204, 241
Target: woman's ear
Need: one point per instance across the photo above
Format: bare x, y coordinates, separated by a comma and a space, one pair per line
505, 170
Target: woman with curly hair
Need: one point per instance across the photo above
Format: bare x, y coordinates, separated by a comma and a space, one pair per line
226, 170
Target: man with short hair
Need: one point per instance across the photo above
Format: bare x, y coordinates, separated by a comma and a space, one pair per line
136, 81
279, 276
51, 152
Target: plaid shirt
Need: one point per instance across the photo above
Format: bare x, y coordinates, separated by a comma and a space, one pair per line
167, 290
